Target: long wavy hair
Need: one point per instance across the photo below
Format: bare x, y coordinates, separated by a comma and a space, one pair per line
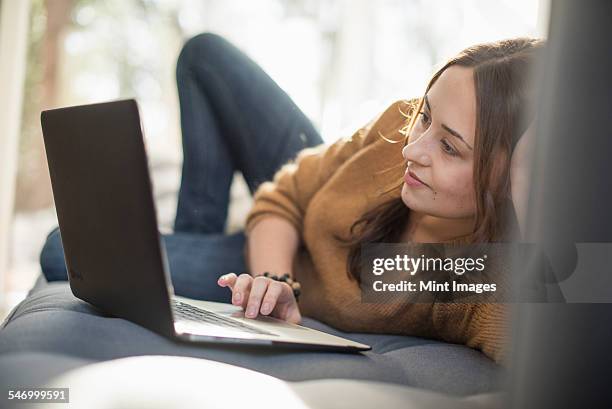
503, 98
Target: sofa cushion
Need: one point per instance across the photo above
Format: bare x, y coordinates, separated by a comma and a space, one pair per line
54, 322
178, 382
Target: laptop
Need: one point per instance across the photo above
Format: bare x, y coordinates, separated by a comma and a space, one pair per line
114, 255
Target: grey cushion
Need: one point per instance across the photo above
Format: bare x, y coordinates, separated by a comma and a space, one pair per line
57, 330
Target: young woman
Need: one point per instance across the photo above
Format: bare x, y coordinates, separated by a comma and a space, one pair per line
458, 166
457, 175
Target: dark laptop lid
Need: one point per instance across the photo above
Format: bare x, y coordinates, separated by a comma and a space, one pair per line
104, 203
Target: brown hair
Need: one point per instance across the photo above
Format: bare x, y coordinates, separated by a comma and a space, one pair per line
501, 73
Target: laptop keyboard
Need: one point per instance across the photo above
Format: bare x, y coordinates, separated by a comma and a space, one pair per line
191, 313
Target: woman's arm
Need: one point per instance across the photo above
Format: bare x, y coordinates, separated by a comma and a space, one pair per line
274, 224
272, 244
295, 183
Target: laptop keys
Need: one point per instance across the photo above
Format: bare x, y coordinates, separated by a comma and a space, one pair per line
189, 312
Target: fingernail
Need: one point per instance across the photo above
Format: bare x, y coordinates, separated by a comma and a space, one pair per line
237, 297
251, 311
265, 308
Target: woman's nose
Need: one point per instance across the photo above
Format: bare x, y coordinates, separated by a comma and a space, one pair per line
417, 151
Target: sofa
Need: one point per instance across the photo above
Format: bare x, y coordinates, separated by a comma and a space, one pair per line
54, 338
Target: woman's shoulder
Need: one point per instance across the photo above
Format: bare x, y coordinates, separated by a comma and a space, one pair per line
386, 123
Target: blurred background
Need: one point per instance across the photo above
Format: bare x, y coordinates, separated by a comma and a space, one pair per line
342, 61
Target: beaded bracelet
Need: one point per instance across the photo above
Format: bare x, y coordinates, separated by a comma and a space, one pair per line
295, 286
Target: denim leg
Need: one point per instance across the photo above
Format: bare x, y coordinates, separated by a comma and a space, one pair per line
207, 173
196, 261
52, 260
233, 116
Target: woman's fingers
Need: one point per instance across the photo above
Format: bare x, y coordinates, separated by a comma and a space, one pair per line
227, 280
258, 289
261, 295
271, 298
292, 314
241, 289
287, 308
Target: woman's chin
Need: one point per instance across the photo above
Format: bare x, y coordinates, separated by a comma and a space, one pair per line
416, 200
409, 198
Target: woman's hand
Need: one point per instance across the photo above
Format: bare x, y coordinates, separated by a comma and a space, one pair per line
262, 295
520, 172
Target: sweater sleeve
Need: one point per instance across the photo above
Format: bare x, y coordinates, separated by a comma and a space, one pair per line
296, 182
483, 326
489, 331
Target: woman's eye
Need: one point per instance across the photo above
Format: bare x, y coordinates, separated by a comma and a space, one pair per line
424, 118
448, 148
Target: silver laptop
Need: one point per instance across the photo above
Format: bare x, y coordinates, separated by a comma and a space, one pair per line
114, 256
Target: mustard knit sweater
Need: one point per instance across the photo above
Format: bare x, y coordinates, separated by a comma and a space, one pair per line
322, 193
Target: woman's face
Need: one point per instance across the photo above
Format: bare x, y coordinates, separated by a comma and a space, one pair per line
440, 149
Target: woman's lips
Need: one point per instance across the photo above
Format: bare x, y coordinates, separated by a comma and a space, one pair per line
412, 180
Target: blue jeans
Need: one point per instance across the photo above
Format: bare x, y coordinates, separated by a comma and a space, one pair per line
233, 117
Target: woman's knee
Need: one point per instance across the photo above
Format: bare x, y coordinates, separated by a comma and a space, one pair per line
202, 47
52, 260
